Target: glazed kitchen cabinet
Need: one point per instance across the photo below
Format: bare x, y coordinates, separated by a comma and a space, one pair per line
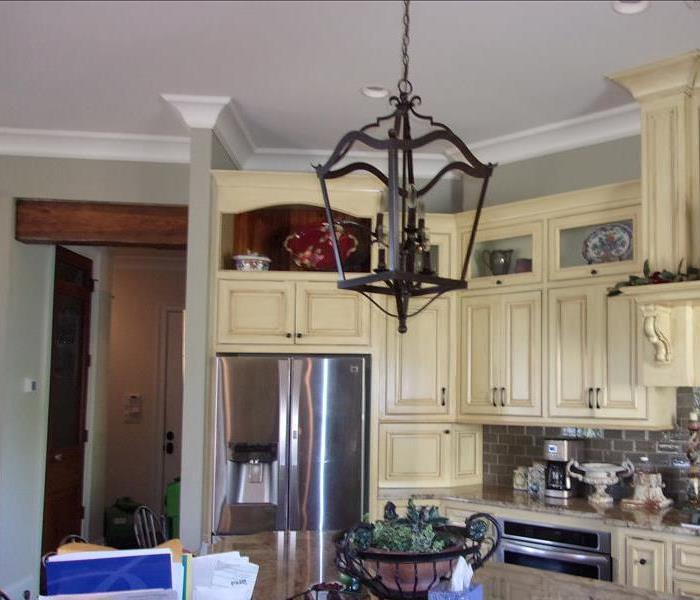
501, 354
419, 373
568, 236
255, 312
429, 454
645, 563
523, 242
593, 355
261, 311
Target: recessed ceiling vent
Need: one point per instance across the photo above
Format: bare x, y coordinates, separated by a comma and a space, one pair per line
630, 7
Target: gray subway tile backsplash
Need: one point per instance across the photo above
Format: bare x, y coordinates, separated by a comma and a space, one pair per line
506, 447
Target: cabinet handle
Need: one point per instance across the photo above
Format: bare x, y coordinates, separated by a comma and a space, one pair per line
298, 335
493, 396
594, 271
642, 561
597, 398
288, 335
590, 398
443, 397
503, 396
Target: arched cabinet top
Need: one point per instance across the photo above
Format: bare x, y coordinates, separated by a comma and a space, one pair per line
243, 191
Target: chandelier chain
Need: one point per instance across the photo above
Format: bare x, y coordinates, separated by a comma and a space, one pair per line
405, 86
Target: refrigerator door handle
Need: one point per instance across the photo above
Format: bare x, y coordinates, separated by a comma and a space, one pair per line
297, 366
282, 457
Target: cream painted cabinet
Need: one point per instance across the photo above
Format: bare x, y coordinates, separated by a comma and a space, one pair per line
593, 355
429, 454
260, 311
580, 245
255, 312
645, 562
685, 588
328, 315
576, 346
501, 354
419, 377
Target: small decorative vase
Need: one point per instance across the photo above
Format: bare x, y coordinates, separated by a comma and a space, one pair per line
497, 261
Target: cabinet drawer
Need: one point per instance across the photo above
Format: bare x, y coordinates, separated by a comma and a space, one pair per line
686, 557
686, 588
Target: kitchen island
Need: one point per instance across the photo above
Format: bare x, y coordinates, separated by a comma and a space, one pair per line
292, 562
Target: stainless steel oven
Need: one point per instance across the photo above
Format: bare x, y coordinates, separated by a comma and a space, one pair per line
579, 552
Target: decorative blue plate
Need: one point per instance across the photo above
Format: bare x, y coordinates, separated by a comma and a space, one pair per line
608, 243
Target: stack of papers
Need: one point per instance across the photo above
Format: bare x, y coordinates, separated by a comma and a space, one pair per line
226, 576
149, 575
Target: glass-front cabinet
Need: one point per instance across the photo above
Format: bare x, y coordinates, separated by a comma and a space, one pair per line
507, 255
593, 244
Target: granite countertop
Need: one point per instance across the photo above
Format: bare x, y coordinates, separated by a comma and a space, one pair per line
669, 520
293, 561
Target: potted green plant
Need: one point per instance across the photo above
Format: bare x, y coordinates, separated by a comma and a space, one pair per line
405, 557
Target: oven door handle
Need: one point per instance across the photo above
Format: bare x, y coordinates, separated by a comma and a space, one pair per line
557, 553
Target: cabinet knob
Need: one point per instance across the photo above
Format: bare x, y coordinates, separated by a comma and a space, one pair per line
594, 271
499, 282
288, 335
298, 335
443, 397
642, 561
447, 431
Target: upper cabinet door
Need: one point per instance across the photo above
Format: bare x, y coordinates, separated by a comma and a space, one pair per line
418, 379
480, 354
326, 315
522, 362
620, 396
504, 256
255, 312
572, 344
595, 243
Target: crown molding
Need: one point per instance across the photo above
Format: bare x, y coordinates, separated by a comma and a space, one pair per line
595, 128
290, 159
198, 112
591, 129
234, 136
669, 76
52, 143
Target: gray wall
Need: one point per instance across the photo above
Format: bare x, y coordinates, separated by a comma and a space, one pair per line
26, 276
99, 180
611, 162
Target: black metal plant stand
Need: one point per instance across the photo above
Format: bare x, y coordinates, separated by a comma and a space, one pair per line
408, 576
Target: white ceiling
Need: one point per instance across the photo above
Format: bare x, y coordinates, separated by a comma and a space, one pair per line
294, 69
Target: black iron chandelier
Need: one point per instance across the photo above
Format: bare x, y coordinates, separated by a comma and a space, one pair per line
404, 267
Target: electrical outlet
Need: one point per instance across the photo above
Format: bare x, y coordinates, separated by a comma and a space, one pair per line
30, 385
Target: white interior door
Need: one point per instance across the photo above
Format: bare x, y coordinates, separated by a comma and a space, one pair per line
172, 344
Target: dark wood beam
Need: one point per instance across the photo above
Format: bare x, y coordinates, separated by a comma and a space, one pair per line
100, 224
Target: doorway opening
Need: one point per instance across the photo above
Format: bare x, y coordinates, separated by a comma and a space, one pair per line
116, 358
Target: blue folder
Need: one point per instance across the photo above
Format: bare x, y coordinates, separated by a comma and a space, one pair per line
113, 574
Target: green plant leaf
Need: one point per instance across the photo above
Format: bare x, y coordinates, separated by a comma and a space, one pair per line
646, 269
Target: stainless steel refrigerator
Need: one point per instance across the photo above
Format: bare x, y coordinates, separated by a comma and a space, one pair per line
290, 442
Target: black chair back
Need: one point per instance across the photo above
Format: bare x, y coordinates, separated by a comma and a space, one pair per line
149, 528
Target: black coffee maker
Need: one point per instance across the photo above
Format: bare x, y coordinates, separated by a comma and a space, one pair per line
557, 453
